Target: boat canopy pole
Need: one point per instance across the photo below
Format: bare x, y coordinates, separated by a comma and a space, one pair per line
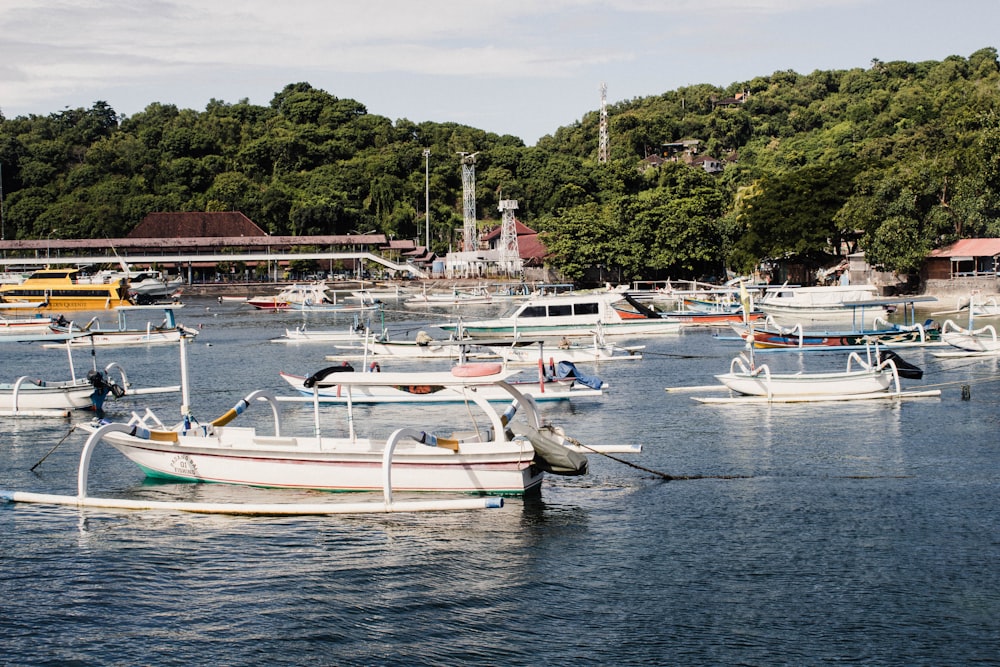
185, 398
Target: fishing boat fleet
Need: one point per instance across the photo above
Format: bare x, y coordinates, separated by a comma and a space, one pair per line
507, 368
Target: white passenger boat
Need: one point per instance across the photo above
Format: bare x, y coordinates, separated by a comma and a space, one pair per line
617, 314
832, 302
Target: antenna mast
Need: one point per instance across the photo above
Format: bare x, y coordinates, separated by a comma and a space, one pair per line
510, 254
602, 141
469, 243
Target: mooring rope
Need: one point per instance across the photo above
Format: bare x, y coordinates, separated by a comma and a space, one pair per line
662, 475
61, 441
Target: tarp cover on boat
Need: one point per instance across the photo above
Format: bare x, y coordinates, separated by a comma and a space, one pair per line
550, 454
903, 367
567, 369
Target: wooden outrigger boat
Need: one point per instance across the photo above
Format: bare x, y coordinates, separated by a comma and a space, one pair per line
420, 389
771, 335
503, 451
875, 376
30, 396
969, 341
168, 331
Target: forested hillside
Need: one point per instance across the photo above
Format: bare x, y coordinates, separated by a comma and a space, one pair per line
903, 156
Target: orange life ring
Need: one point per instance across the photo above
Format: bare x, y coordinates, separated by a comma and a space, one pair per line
475, 370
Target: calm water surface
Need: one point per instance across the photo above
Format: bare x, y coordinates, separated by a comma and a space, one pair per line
858, 533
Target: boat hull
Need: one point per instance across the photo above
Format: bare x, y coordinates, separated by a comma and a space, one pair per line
644, 327
60, 289
333, 464
59, 396
811, 384
894, 338
970, 342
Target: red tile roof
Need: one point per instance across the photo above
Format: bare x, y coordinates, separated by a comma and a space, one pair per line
969, 248
519, 228
195, 224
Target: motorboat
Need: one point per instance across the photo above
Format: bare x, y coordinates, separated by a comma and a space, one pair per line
63, 289
826, 302
151, 286
616, 313
287, 295
310, 297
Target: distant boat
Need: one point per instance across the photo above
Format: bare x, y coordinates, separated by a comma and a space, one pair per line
148, 287
17, 326
167, 331
64, 290
876, 375
307, 297
572, 315
796, 304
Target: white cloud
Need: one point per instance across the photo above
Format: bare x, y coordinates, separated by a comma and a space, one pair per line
413, 59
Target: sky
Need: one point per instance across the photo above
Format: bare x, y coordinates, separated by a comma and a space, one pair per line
519, 67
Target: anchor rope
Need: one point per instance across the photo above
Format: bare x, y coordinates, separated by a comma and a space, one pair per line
662, 475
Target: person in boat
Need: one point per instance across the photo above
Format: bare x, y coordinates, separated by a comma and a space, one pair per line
564, 344
423, 338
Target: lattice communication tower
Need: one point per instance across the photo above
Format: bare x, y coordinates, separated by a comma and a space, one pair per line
469, 242
510, 254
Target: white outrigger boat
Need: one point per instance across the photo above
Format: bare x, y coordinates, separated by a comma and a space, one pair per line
422, 347
875, 376
19, 326
92, 333
30, 396
968, 342
522, 353
423, 387
302, 334
500, 453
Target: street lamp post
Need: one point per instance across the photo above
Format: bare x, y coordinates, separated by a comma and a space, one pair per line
427, 197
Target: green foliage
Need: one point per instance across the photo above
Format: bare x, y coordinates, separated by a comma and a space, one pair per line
904, 156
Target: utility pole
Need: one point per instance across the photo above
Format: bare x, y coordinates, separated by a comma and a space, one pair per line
602, 139
3, 231
427, 197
